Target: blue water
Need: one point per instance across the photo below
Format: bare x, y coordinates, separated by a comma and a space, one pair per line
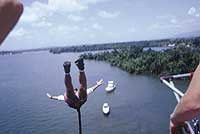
139, 105
158, 49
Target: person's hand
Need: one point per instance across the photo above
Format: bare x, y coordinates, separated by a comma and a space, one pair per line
178, 128
100, 82
175, 129
48, 95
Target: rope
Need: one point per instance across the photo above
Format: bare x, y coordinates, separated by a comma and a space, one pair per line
79, 120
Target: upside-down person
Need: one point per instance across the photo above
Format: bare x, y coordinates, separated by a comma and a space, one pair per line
189, 105
74, 97
10, 12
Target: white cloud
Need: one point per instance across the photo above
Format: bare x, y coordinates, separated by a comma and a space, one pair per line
159, 26
85, 29
35, 12
64, 29
167, 16
97, 26
105, 14
75, 18
132, 29
94, 1
154, 26
174, 21
19, 32
110, 33
91, 36
53, 23
47, 14
67, 5
192, 11
48, 19
42, 24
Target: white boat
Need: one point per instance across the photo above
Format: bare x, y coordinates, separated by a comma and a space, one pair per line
106, 109
111, 87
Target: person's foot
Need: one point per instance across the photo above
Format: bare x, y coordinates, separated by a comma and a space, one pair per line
80, 64
67, 66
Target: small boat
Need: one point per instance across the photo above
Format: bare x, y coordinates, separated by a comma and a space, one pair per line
111, 87
106, 109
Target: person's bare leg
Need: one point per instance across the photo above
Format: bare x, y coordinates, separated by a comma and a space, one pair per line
69, 86
72, 100
68, 80
83, 86
82, 79
10, 12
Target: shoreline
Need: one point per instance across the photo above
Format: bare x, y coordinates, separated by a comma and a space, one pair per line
136, 61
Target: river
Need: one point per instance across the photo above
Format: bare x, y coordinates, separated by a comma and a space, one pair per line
139, 105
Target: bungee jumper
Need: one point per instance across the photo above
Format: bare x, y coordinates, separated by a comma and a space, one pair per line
188, 108
74, 97
69, 82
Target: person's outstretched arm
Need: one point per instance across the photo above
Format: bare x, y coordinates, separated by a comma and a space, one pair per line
59, 98
98, 83
10, 12
189, 106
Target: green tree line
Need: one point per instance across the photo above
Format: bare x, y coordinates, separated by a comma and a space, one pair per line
133, 59
194, 42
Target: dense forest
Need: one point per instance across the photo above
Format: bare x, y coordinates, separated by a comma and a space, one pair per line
134, 59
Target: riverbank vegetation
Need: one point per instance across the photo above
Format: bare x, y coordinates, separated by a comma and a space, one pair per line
193, 42
134, 59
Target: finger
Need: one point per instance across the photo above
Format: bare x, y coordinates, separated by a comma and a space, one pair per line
176, 130
187, 130
179, 130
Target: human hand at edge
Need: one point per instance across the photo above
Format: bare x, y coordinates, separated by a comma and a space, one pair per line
177, 128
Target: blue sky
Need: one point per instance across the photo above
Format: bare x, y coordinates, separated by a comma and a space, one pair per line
47, 23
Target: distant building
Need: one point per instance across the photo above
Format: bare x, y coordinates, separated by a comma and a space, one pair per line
171, 45
182, 44
188, 45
